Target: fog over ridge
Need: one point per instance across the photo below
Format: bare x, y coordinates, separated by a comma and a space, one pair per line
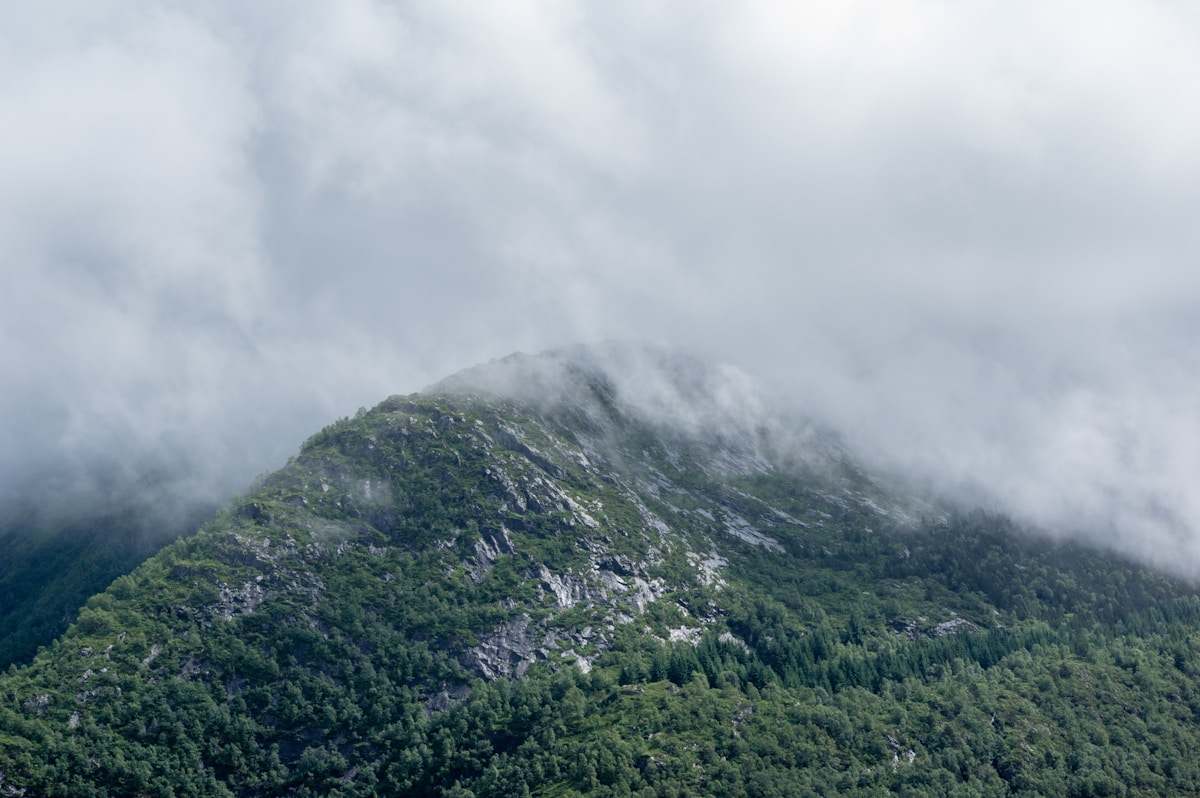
962, 235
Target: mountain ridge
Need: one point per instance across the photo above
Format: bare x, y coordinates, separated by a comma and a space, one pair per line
469, 590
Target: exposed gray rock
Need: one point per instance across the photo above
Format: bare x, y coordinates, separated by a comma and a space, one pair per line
618, 564
684, 634
155, 650
708, 567
570, 590
232, 602
514, 642
954, 626
741, 528
447, 698
8, 790
583, 663
645, 592
919, 628
487, 549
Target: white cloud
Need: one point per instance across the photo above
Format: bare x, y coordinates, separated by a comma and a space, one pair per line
963, 231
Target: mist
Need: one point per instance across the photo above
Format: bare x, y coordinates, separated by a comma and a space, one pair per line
961, 234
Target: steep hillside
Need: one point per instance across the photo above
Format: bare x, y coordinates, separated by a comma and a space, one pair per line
613, 573
59, 547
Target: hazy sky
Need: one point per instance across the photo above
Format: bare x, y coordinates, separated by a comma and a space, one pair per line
965, 232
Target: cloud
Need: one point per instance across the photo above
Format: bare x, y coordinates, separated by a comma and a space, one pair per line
962, 233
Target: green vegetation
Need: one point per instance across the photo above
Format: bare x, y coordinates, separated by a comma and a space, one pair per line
54, 562
401, 610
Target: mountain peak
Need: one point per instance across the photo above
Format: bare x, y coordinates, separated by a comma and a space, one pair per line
655, 383
588, 571
608, 388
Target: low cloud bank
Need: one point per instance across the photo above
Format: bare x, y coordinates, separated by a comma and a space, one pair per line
962, 234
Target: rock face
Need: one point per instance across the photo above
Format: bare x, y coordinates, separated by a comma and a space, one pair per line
639, 484
922, 628
510, 648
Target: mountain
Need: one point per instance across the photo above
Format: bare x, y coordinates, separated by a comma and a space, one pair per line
64, 539
608, 571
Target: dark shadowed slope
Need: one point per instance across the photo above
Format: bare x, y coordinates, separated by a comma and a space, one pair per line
59, 545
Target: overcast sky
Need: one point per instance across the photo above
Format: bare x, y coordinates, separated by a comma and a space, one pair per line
967, 233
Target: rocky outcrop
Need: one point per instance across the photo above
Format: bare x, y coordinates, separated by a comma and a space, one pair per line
519, 642
920, 628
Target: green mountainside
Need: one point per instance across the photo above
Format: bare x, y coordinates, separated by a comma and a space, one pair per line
603, 574
58, 550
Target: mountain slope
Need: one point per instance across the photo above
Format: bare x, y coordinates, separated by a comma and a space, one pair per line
59, 549
608, 572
